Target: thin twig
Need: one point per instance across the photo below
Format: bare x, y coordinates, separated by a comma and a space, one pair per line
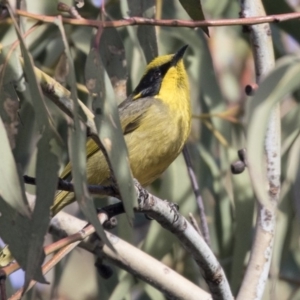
106, 213
69, 9
64, 185
98, 35
72, 242
132, 21
11, 268
46, 268
61, 97
103, 11
203, 220
194, 223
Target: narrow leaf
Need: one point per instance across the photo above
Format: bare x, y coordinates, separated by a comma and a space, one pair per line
112, 52
78, 151
40, 219
47, 167
146, 34
282, 80
10, 185
14, 230
194, 10
110, 133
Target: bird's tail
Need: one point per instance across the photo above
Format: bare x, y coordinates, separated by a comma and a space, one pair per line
62, 199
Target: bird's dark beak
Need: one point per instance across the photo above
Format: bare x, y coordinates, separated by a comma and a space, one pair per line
178, 55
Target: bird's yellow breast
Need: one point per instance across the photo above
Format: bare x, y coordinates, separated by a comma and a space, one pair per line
161, 135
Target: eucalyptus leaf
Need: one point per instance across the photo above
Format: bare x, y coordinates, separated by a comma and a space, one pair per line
11, 74
146, 34
14, 230
112, 53
78, 152
48, 162
123, 287
45, 124
153, 293
12, 189
282, 80
195, 11
110, 132
243, 223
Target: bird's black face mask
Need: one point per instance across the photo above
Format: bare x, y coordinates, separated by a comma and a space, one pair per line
150, 83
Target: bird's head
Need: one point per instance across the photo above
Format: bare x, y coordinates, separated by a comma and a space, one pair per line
164, 76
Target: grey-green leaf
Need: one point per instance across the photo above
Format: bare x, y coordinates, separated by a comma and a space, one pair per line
146, 34
112, 52
110, 133
11, 190
194, 10
47, 166
78, 151
281, 81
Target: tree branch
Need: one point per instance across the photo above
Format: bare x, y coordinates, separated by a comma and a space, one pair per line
123, 255
129, 258
132, 21
167, 215
257, 271
64, 185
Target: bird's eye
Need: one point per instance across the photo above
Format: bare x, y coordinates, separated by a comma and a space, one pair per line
157, 74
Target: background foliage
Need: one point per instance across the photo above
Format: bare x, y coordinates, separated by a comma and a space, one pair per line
219, 68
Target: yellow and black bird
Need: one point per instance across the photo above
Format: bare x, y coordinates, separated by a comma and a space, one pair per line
156, 122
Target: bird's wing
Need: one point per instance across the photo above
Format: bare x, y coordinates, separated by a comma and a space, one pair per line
66, 171
91, 148
132, 111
